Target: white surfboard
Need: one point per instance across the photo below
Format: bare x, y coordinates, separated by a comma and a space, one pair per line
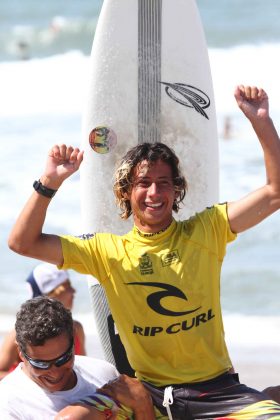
150, 80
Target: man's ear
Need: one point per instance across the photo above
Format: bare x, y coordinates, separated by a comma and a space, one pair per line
20, 353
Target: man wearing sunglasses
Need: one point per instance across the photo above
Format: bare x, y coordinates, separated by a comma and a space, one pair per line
50, 377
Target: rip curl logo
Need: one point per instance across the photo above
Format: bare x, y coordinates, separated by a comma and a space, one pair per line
145, 264
189, 96
86, 236
176, 328
154, 300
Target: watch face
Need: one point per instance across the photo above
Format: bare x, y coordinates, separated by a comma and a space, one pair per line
102, 139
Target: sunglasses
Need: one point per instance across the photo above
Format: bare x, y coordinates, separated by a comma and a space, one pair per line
46, 364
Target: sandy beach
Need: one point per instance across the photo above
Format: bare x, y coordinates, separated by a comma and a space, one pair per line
256, 373
259, 376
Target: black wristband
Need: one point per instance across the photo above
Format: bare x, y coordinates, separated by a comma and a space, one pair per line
41, 189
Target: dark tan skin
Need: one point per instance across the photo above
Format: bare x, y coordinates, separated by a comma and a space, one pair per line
55, 378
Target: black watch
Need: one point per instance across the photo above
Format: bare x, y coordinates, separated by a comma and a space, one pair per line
41, 189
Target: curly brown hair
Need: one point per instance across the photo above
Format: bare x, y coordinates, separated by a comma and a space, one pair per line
40, 319
150, 152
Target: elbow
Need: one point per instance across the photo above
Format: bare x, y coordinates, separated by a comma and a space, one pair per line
17, 245
274, 197
276, 200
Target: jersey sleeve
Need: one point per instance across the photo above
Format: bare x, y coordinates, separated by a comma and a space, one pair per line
83, 255
213, 229
222, 223
222, 234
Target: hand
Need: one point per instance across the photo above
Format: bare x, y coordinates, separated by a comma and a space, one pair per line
62, 162
130, 392
252, 101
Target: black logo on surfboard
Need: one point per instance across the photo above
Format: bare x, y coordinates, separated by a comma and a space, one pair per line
189, 96
167, 290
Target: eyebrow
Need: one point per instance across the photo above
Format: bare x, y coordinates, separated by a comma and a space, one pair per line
148, 177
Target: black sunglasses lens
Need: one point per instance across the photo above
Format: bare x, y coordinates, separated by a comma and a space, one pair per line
64, 359
40, 365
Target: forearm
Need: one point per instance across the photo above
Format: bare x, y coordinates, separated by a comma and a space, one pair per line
254, 104
26, 237
269, 140
261, 203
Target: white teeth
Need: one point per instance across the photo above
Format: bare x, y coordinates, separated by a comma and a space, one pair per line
155, 205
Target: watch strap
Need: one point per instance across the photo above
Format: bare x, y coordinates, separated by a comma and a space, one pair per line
41, 189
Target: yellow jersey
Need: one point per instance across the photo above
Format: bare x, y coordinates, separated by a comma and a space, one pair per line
164, 294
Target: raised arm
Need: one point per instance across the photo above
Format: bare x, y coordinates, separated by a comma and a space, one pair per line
264, 201
26, 237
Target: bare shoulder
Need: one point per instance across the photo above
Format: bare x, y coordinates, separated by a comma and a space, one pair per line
80, 333
77, 325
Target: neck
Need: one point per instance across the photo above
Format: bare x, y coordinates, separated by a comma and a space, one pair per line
71, 383
152, 230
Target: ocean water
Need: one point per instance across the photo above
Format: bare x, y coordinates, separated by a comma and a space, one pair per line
44, 58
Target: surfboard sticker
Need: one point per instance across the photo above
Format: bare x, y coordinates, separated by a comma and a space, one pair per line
102, 139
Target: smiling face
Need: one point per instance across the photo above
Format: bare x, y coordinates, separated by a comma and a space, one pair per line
55, 378
152, 196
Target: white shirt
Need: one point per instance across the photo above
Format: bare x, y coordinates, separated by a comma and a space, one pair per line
22, 399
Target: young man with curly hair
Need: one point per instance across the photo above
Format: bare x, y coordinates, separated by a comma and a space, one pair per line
166, 273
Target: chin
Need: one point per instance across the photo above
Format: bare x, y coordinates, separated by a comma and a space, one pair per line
60, 386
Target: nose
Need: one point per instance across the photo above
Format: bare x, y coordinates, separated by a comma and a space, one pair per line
153, 189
